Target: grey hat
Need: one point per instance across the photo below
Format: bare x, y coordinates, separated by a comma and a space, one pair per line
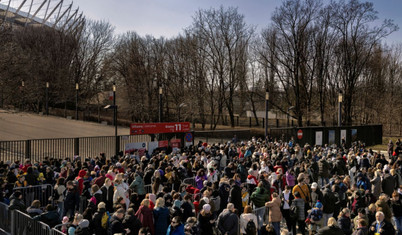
84, 223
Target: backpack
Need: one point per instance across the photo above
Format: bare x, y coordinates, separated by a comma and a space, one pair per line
251, 228
294, 213
105, 220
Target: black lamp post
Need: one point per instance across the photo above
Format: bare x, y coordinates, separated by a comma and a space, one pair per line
23, 96
290, 108
160, 105
340, 100
77, 87
47, 98
266, 112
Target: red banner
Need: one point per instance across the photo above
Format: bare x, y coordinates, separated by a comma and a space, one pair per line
156, 128
175, 143
163, 144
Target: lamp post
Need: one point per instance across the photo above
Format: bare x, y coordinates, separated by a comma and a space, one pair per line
47, 98
290, 108
181, 106
340, 100
77, 87
266, 112
23, 97
115, 119
160, 104
114, 110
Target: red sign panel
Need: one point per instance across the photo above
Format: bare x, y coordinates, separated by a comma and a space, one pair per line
156, 128
175, 143
163, 144
300, 134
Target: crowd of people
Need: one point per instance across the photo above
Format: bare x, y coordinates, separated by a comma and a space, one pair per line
254, 187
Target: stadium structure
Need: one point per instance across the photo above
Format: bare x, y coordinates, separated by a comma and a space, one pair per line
57, 14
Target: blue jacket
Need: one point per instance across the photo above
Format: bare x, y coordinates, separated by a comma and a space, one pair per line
161, 220
177, 231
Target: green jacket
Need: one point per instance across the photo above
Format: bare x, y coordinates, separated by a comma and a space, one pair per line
138, 185
259, 197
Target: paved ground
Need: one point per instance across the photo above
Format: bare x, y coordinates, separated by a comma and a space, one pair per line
22, 126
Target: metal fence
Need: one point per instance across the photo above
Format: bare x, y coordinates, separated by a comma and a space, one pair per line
5, 218
23, 224
189, 181
38, 149
148, 188
38, 192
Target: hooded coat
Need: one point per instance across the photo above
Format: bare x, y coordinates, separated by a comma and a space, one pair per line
144, 214
275, 214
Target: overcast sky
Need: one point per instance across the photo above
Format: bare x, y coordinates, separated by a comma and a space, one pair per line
168, 18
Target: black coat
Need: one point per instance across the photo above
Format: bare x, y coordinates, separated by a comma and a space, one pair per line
96, 223
330, 230
71, 199
187, 210
131, 222
51, 218
329, 200
388, 185
116, 226
387, 228
16, 204
107, 197
345, 224
235, 197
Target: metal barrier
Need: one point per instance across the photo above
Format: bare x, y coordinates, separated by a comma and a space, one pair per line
148, 188
189, 181
5, 218
22, 224
38, 149
57, 230
38, 192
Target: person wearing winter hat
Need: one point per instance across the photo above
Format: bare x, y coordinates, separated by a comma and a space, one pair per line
315, 218
206, 220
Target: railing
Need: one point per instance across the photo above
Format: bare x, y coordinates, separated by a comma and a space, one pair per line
5, 218
38, 192
60, 148
22, 224
189, 181
148, 188
57, 230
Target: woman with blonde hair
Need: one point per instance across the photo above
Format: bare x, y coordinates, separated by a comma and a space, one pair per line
332, 228
145, 215
161, 217
120, 192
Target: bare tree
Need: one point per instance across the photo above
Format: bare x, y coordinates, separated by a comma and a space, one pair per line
352, 22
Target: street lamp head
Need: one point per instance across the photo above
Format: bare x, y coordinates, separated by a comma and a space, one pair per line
160, 91
114, 87
340, 97
22, 83
77, 87
47, 84
266, 94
